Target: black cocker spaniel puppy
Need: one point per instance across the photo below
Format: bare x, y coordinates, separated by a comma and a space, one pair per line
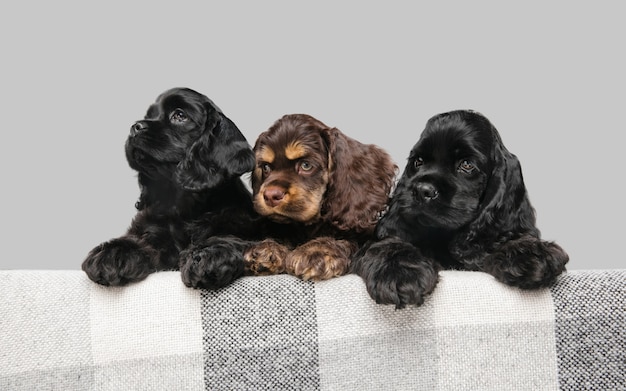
189, 157
461, 203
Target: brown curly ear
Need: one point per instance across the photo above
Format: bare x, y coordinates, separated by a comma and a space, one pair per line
361, 178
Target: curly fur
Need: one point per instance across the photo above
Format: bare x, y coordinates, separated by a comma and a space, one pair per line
460, 203
189, 157
322, 192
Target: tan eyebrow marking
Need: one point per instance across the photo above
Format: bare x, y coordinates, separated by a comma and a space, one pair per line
266, 155
294, 151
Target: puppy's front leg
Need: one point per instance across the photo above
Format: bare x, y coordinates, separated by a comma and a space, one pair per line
395, 272
120, 261
320, 259
266, 257
214, 263
527, 262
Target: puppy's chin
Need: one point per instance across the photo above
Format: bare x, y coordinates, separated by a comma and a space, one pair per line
440, 222
305, 217
137, 159
437, 215
282, 219
286, 212
296, 206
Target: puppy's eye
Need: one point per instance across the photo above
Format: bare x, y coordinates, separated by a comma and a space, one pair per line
265, 169
304, 166
418, 162
467, 167
178, 116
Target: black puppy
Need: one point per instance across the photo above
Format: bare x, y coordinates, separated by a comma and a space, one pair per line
460, 203
189, 157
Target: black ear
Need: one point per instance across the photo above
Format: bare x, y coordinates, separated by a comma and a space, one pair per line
505, 209
220, 154
391, 223
233, 148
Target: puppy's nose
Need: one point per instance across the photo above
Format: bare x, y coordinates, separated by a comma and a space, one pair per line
138, 127
426, 192
273, 196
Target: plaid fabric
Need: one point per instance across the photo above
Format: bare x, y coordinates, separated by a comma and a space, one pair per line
59, 331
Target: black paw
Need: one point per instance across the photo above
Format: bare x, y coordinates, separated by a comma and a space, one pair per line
118, 262
527, 263
211, 266
395, 272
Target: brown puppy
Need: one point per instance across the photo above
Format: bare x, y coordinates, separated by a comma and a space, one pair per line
323, 193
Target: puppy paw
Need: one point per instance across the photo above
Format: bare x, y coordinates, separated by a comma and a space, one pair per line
395, 272
527, 263
265, 258
320, 259
119, 262
211, 266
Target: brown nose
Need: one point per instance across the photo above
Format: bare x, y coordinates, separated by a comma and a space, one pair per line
273, 195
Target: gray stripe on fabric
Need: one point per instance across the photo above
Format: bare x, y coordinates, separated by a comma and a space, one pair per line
260, 333
45, 334
405, 359
504, 356
78, 378
471, 333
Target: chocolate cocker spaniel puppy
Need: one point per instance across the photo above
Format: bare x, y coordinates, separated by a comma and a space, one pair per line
322, 193
461, 203
189, 157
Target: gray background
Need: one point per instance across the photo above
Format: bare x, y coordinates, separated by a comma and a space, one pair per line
74, 77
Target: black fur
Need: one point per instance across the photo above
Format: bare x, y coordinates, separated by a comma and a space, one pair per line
460, 203
189, 157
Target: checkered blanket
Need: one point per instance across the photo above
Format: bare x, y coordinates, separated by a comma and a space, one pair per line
59, 331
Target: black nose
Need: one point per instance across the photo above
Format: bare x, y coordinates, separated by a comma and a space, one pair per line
426, 192
138, 127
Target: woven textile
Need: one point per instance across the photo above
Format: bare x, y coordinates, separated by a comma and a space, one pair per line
268, 338
591, 331
60, 331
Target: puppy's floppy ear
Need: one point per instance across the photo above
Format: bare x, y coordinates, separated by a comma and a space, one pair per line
220, 153
505, 208
361, 177
391, 223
